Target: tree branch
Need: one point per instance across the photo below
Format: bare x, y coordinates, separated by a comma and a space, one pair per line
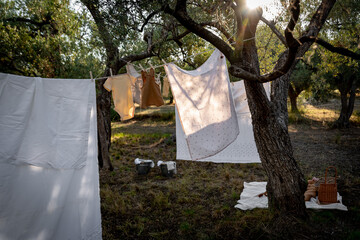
319, 18
288, 58
221, 29
182, 16
273, 28
25, 20
328, 46
283, 68
112, 51
148, 19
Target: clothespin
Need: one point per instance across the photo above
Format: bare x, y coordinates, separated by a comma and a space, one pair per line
91, 76
111, 74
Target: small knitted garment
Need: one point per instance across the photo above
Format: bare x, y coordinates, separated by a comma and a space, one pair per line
150, 92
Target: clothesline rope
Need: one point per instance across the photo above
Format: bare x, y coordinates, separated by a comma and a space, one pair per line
154, 67
162, 65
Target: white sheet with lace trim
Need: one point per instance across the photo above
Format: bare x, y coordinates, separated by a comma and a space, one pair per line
205, 106
243, 149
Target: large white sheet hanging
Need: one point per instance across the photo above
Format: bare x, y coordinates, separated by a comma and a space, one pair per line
205, 106
243, 149
47, 196
46, 122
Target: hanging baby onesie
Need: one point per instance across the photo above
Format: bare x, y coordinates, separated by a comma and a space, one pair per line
165, 88
136, 83
150, 93
243, 149
120, 86
205, 106
45, 193
158, 81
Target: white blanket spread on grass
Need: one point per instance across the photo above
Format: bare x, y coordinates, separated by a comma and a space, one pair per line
49, 182
205, 106
243, 149
249, 199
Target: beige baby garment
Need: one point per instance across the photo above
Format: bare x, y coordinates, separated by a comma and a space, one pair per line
120, 86
165, 88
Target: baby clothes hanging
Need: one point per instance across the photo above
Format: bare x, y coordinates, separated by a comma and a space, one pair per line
150, 92
205, 106
120, 86
165, 88
157, 80
136, 83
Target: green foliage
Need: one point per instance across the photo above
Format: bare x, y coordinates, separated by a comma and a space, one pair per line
301, 76
45, 38
335, 71
269, 48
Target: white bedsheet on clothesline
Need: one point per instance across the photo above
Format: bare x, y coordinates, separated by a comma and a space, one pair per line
243, 149
53, 194
205, 106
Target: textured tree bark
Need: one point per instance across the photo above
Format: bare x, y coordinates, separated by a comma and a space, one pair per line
286, 183
293, 99
103, 100
103, 97
347, 105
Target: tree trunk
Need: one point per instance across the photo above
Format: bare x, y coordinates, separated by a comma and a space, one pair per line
293, 97
103, 100
347, 106
286, 183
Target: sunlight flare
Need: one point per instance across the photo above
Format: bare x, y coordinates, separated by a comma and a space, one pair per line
271, 8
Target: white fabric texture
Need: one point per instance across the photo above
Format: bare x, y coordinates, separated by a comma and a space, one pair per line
136, 84
171, 165
139, 161
45, 121
205, 106
41, 203
249, 199
243, 149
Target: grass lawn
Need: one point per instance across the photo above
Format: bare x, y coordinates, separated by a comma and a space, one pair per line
198, 203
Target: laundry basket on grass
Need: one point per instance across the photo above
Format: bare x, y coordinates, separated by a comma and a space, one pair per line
328, 189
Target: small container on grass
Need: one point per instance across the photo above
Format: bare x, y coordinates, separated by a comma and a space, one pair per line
143, 166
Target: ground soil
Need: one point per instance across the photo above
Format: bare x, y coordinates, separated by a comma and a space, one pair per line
198, 203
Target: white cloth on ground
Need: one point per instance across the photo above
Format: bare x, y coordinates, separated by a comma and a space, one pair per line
205, 106
45, 203
249, 199
243, 149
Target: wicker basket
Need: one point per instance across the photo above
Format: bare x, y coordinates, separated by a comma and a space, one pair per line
328, 190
